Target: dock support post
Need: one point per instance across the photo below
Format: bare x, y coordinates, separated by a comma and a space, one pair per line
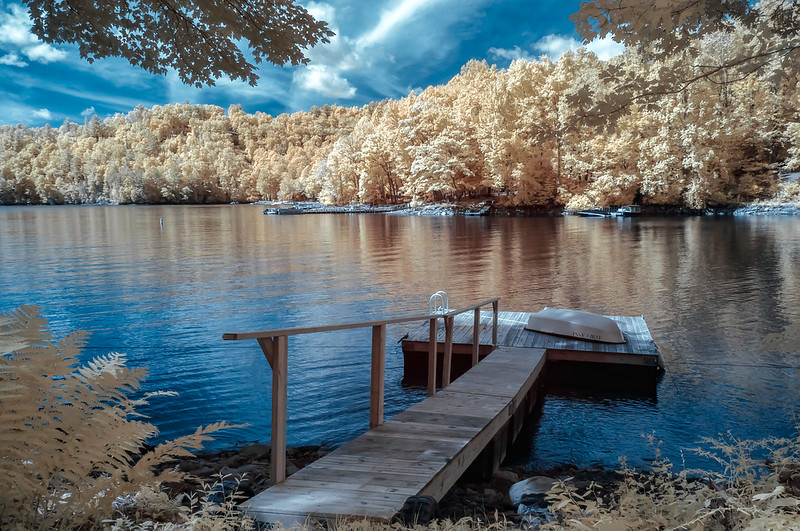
276, 350
432, 348
476, 336
447, 362
494, 323
377, 380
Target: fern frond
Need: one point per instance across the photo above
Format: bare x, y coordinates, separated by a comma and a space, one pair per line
69, 441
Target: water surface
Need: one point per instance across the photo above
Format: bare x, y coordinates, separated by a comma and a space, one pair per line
709, 288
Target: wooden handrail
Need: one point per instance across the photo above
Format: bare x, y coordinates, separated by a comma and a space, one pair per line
274, 344
349, 326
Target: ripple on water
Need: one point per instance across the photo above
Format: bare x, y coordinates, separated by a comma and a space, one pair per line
709, 289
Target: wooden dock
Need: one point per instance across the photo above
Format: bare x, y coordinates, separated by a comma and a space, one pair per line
421, 451
639, 349
425, 449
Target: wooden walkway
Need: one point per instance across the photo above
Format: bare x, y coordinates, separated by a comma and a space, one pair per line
639, 348
421, 451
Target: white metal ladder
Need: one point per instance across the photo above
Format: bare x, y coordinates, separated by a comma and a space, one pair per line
439, 303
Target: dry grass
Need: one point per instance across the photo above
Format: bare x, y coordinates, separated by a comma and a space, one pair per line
743, 491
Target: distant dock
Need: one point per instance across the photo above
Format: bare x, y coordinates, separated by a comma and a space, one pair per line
425, 449
317, 208
610, 212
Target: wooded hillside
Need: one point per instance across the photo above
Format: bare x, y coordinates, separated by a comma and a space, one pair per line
577, 132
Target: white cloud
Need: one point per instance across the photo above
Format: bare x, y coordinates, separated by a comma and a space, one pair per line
339, 54
12, 59
44, 53
392, 18
88, 112
115, 70
328, 62
321, 79
321, 11
555, 45
44, 114
605, 48
510, 55
15, 34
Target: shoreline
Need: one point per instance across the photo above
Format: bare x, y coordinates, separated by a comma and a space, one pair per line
761, 209
516, 497
481, 499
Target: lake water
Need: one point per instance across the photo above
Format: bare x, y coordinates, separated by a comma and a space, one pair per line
709, 288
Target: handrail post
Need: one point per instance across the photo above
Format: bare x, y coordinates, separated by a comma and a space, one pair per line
279, 396
276, 350
476, 336
447, 362
432, 348
494, 323
377, 380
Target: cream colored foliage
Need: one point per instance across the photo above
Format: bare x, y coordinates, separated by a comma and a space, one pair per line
69, 435
537, 133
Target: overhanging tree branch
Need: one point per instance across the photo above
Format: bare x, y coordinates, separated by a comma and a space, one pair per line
202, 40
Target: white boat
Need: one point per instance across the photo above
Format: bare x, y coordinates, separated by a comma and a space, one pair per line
576, 324
627, 211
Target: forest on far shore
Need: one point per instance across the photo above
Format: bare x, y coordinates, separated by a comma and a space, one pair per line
573, 133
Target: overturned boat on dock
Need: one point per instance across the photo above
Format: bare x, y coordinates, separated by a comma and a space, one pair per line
575, 324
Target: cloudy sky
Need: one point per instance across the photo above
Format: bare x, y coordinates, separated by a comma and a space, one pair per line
382, 49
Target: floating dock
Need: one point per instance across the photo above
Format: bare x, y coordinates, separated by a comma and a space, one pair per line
638, 354
424, 450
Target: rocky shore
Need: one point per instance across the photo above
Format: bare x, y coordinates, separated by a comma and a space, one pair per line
513, 494
517, 497
490, 208
767, 210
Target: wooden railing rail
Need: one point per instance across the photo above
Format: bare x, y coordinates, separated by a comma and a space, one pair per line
275, 345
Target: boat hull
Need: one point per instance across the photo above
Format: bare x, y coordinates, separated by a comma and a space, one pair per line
573, 323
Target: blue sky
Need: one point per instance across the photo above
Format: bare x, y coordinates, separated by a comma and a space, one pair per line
382, 49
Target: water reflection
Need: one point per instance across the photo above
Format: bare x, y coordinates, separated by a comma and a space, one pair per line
710, 289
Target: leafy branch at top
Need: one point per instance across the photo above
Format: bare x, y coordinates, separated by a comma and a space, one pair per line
200, 40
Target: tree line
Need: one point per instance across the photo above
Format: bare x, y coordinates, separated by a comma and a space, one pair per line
576, 133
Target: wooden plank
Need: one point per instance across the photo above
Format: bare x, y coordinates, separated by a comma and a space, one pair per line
389, 484
279, 398
377, 378
613, 358
495, 305
476, 325
267, 345
447, 360
432, 348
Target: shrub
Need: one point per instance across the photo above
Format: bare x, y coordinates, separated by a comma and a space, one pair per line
746, 492
70, 437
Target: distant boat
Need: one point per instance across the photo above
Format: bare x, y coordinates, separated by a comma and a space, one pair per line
627, 211
595, 213
623, 211
483, 211
294, 209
